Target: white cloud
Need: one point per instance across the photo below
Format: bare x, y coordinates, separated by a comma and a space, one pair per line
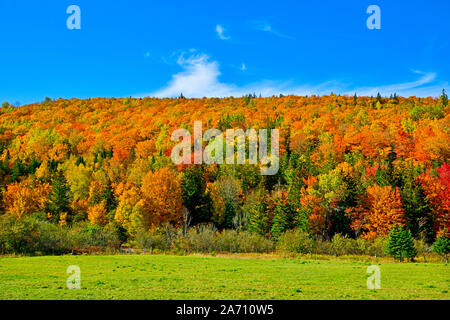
200, 78
243, 67
268, 28
425, 86
221, 32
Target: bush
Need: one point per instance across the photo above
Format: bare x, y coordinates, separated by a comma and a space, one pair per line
242, 242
18, 236
341, 245
85, 235
162, 238
322, 247
295, 241
378, 247
203, 239
31, 235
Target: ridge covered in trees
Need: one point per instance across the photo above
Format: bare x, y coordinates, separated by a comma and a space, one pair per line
356, 166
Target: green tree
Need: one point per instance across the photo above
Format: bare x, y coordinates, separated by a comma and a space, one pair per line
59, 198
34, 164
108, 196
282, 219
193, 184
444, 98
400, 244
379, 99
254, 207
442, 246
18, 169
415, 205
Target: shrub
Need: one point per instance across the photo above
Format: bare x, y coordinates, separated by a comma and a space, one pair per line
162, 238
202, 238
378, 247
242, 242
31, 235
86, 235
18, 236
341, 245
296, 241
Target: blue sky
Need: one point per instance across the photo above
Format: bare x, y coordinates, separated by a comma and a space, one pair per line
221, 48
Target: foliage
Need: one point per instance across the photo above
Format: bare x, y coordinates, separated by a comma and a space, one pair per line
442, 245
349, 165
400, 243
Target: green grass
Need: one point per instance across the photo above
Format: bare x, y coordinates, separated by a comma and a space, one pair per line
196, 277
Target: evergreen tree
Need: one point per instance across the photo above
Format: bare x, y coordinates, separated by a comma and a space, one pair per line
109, 198
59, 198
400, 244
280, 222
282, 219
255, 207
409, 251
379, 99
17, 170
415, 206
442, 246
195, 199
444, 98
355, 99
80, 160
34, 164
395, 99
340, 219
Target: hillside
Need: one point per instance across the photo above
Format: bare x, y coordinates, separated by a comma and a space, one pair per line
350, 165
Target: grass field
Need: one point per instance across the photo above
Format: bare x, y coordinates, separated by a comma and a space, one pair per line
197, 277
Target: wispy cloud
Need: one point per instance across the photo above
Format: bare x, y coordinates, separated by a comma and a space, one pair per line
268, 28
200, 78
426, 85
243, 67
221, 32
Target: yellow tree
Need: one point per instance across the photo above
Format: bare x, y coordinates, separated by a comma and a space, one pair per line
380, 211
97, 213
161, 198
22, 198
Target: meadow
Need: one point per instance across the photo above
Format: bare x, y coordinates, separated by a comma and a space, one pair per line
207, 277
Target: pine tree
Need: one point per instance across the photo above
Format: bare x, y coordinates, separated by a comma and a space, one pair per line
444, 98
17, 170
415, 205
33, 166
59, 198
442, 246
195, 200
282, 219
407, 242
379, 99
108, 196
400, 244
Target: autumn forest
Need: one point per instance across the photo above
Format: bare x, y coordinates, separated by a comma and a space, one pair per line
350, 166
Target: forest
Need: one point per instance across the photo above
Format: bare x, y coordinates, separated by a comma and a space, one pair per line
98, 171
